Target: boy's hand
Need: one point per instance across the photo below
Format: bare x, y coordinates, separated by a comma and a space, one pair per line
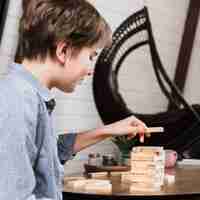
130, 126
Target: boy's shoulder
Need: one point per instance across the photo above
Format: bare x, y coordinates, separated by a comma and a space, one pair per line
16, 86
16, 91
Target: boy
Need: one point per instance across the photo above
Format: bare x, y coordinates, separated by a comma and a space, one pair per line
57, 41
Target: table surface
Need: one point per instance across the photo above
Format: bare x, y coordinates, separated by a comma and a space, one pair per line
187, 182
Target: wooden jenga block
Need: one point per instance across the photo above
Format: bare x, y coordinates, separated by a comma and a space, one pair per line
116, 173
72, 178
80, 184
147, 174
99, 175
147, 170
98, 188
125, 177
155, 130
76, 184
145, 153
146, 157
145, 179
169, 179
145, 165
134, 187
147, 149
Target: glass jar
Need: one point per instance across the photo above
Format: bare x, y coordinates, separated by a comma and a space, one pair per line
91, 159
109, 160
98, 159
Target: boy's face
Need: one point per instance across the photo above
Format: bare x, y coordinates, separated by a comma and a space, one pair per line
76, 68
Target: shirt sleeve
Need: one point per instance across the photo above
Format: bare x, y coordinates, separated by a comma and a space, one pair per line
17, 177
65, 147
17, 150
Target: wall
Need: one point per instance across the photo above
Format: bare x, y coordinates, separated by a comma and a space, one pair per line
77, 111
9, 39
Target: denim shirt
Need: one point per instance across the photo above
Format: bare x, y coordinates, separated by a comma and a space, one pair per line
24, 122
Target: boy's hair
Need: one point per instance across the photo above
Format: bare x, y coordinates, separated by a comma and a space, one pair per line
44, 23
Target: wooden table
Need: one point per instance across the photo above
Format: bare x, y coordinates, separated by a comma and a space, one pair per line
185, 187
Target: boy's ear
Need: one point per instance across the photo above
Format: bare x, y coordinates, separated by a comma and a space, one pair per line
61, 52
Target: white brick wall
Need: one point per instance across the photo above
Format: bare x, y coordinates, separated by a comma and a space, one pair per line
9, 39
77, 111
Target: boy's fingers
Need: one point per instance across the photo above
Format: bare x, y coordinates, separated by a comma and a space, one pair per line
129, 137
134, 130
141, 135
140, 131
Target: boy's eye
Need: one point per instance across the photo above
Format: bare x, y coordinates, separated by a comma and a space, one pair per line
93, 56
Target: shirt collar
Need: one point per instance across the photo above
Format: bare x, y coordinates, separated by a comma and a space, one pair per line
43, 91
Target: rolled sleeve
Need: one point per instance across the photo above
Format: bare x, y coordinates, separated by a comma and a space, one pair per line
66, 147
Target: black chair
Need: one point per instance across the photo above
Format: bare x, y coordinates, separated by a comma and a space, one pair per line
112, 107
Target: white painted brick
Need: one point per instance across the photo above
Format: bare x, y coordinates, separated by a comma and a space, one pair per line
9, 38
8, 46
76, 123
75, 107
4, 62
137, 72
15, 8
11, 26
82, 92
114, 19
126, 6
147, 102
168, 6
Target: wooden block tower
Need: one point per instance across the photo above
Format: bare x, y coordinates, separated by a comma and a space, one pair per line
147, 169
